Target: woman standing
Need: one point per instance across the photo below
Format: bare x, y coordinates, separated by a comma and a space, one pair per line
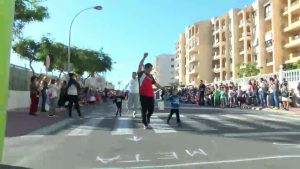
285, 96
33, 96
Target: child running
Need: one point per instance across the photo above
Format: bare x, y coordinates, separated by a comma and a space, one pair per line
174, 99
118, 101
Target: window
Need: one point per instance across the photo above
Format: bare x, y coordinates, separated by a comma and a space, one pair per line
268, 11
172, 59
172, 66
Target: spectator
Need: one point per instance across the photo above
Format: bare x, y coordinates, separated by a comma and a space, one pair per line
201, 93
53, 97
285, 96
44, 95
33, 96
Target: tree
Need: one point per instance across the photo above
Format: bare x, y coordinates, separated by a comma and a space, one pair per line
56, 51
27, 49
247, 69
27, 11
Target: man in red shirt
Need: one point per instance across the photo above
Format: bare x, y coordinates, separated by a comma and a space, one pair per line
146, 81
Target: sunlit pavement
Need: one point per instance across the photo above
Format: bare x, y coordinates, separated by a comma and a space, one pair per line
208, 138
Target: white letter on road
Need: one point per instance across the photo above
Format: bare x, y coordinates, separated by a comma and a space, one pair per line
199, 151
168, 156
105, 161
137, 159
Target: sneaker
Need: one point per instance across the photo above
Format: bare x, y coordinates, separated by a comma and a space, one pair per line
275, 108
146, 127
50, 115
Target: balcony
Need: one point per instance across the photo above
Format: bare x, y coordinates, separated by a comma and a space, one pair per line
241, 50
269, 61
193, 59
241, 24
285, 11
295, 26
217, 69
295, 5
268, 16
269, 45
293, 57
216, 56
193, 70
294, 41
216, 30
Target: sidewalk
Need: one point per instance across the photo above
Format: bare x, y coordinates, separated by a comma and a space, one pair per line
19, 122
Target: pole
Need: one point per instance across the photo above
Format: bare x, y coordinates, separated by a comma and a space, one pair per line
6, 20
70, 34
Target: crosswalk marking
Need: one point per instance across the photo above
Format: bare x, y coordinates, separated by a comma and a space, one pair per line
196, 124
254, 121
123, 126
86, 128
286, 117
159, 126
265, 118
225, 122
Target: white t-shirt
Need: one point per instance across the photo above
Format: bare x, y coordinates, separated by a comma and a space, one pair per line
133, 86
231, 93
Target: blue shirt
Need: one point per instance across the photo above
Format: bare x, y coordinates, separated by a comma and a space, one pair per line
174, 101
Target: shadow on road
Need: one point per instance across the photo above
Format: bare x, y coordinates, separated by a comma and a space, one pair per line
12, 167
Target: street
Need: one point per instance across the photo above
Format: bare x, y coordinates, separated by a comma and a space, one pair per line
209, 138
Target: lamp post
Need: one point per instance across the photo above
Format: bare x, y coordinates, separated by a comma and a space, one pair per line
70, 31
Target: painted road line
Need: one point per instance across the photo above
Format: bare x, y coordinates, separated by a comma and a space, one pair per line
86, 128
224, 121
196, 124
285, 117
264, 117
50, 129
124, 126
259, 123
160, 126
262, 134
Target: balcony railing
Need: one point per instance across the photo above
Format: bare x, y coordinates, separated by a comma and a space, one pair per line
296, 2
295, 19
268, 15
296, 37
269, 43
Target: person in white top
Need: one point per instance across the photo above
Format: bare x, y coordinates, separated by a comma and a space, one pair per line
73, 88
53, 93
133, 94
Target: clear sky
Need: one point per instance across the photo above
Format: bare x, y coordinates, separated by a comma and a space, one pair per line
125, 29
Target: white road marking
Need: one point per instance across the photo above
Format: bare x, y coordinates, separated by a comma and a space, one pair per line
254, 121
86, 128
160, 126
264, 117
219, 162
49, 129
196, 124
123, 126
284, 117
261, 134
224, 121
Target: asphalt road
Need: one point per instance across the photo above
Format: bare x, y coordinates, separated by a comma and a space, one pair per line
208, 138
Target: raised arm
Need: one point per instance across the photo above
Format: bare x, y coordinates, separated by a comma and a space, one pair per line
142, 63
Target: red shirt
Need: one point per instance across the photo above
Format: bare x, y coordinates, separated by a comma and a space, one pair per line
146, 82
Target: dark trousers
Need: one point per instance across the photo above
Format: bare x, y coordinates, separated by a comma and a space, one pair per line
33, 104
176, 111
74, 99
147, 104
119, 109
44, 99
201, 100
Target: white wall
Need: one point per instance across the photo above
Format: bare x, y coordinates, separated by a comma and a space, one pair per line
18, 99
163, 72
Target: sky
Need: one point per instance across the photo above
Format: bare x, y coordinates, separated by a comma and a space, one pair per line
125, 29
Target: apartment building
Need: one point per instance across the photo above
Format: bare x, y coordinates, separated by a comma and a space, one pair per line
164, 69
266, 32
180, 60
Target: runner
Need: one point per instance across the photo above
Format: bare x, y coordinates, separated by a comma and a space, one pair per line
73, 88
133, 94
146, 81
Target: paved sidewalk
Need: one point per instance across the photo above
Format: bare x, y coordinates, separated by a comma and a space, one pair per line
19, 122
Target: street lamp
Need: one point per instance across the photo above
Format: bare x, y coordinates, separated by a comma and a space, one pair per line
70, 31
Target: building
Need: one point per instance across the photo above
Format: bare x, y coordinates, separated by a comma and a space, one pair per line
266, 32
164, 69
180, 60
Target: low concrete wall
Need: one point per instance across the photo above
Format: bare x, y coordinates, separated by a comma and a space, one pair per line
18, 99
